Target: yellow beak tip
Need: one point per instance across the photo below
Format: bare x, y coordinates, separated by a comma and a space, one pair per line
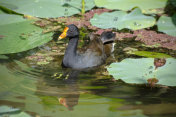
60, 37
63, 35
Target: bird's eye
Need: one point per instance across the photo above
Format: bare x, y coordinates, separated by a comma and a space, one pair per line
71, 30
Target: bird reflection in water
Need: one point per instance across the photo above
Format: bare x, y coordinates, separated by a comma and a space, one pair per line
66, 91
70, 99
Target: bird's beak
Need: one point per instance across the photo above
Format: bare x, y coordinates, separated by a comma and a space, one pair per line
64, 33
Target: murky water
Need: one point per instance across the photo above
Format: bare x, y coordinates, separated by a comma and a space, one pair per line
51, 91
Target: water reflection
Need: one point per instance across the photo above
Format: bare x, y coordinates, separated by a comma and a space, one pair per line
91, 92
66, 90
69, 100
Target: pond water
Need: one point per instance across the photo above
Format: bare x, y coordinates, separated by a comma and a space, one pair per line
28, 89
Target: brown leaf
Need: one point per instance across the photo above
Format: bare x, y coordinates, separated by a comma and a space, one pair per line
159, 62
152, 81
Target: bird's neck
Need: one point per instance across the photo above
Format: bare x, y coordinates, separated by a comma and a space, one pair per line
72, 47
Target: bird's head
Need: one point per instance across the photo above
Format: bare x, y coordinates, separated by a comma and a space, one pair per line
70, 31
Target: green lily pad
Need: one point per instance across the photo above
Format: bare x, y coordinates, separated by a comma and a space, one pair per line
120, 20
19, 34
147, 6
150, 54
22, 114
47, 8
12, 112
6, 109
1, 12
3, 57
167, 25
139, 71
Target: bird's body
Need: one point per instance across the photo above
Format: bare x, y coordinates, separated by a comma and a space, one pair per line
93, 55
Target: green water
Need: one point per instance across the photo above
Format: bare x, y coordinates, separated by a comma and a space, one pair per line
51, 91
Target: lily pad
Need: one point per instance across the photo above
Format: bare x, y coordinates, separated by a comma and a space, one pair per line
150, 54
3, 57
6, 109
147, 6
167, 25
19, 34
12, 112
1, 12
47, 8
121, 19
139, 71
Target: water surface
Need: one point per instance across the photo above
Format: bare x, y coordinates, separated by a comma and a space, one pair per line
52, 91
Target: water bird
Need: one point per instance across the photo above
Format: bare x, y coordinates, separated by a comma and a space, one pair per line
94, 54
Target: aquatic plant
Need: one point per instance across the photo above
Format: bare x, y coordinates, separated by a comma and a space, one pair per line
142, 71
119, 19
166, 24
42, 8
126, 5
18, 34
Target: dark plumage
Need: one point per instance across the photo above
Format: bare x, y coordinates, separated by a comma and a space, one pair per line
93, 55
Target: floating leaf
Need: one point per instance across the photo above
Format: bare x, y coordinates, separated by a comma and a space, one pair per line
139, 71
47, 8
6, 109
3, 57
1, 12
22, 114
10, 19
167, 25
19, 34
150, 54
147, 6
120, 20
12, 112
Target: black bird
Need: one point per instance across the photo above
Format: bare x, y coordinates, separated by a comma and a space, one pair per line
93, 55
